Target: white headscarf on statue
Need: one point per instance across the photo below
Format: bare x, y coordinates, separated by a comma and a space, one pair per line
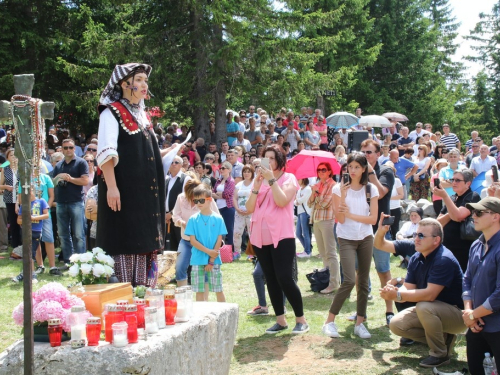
113, 91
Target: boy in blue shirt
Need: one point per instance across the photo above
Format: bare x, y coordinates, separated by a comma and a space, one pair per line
205, 229
39, 212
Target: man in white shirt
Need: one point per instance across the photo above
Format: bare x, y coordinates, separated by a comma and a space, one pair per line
291, 135
240, 141
483, 162
418, 132
224, 146
175, 183
344, 134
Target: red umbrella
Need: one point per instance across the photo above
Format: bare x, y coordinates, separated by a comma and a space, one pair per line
305, 163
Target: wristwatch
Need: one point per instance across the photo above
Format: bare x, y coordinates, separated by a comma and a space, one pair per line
271, 181
399, 279
255, 192
471, 316
369, 173
398, 297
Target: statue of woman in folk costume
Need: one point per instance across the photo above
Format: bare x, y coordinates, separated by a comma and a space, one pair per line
131, 208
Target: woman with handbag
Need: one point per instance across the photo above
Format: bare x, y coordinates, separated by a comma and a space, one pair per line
454, 214
323, 218
185, 208
356, 207
303, 230
420, 184
273, 239
242, 218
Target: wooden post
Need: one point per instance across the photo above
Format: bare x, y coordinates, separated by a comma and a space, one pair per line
20, 109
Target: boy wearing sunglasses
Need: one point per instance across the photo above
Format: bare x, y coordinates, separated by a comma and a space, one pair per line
205, 230
434, 284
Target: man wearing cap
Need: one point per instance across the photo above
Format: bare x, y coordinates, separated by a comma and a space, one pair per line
449, 139
433, 282
481, 294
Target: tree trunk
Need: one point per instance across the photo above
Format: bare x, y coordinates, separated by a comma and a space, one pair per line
200, 94
220, 91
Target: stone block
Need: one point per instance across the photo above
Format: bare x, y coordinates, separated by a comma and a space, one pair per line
204, 345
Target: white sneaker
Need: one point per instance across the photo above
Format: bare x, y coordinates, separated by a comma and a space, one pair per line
303, 255
330, 330
362, 332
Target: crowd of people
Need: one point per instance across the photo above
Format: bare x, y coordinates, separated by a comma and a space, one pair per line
239, 194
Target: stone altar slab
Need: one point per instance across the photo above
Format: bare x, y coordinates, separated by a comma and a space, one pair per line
203, 345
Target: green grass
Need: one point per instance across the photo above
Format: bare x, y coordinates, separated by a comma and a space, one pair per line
258, 353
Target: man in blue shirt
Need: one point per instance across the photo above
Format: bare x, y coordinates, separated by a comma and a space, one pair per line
71, 175
404, 167
404, 142
481, 294
433, 281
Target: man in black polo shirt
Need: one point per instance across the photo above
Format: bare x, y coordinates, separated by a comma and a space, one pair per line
434, 282
71, 175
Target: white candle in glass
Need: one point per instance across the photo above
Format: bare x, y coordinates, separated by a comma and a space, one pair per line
78, 332
120, 340
151, 327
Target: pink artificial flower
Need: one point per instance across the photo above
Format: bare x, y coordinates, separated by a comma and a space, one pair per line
46, 310
18, 314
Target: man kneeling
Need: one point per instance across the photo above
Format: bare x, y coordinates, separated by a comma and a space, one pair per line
434, 282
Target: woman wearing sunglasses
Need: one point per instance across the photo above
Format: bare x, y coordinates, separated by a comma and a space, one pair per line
273, 239
223, 192
323, 219
356, 208
184, 208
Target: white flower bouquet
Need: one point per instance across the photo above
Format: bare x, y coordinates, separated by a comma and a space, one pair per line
92, 267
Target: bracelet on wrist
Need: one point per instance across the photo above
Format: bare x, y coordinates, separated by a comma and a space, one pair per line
211, 264
255, 192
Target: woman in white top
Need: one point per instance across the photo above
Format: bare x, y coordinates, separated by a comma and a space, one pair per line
355, 234
242, 218
419, 187
303, 230
397, 194
410, 227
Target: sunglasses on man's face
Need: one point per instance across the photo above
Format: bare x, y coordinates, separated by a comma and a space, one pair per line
201, 200
176, 162
420, 236
367, 152
92, 149
223, 168
480, 213
68, 147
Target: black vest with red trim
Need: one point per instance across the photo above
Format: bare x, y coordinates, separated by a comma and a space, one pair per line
139, 227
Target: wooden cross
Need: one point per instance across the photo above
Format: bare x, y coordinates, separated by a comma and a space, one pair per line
23, 85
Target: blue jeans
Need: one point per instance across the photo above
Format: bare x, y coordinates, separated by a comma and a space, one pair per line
228, 216
303, 231
70, 217
183, 259
260, 285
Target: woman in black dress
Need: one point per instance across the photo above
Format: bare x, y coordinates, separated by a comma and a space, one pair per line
131, 208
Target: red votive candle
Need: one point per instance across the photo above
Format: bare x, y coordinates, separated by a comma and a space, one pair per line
93, 328
130, 312
114, 315
55, 332
170, 307
141, 304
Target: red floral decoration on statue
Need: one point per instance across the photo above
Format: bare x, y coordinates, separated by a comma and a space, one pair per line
156, 112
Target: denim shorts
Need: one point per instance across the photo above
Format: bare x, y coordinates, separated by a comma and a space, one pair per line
183, 259
47, 232
382, 259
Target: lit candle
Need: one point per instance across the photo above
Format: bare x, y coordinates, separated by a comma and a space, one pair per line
151, 327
